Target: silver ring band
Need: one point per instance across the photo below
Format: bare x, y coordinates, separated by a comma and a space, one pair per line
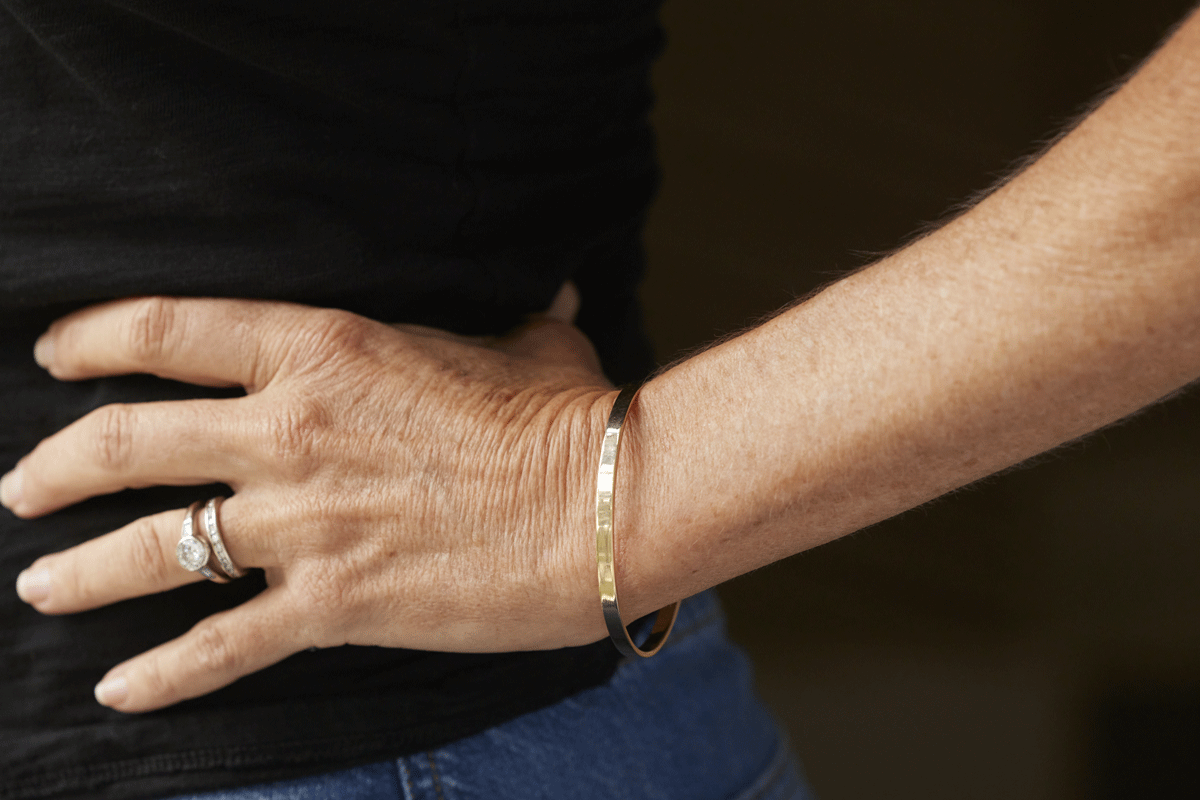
212, 528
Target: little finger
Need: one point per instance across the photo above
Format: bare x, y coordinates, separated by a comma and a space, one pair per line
214, 653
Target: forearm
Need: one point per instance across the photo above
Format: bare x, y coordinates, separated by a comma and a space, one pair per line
1066, 300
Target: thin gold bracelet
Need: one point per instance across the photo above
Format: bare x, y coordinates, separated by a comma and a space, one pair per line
606, 477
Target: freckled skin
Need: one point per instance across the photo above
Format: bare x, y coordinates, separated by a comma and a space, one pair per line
1065, 300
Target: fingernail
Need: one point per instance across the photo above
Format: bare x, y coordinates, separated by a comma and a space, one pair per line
33, 585
10, 488
112, 692
43, 350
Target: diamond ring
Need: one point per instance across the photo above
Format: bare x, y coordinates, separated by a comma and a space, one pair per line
192, 552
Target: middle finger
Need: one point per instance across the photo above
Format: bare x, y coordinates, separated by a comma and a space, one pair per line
123, 446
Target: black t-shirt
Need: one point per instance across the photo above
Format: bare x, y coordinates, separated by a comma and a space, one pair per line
445, 163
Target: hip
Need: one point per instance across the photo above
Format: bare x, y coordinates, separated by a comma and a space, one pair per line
685, 724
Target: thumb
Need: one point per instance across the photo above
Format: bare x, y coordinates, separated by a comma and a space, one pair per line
565, 305
551, 342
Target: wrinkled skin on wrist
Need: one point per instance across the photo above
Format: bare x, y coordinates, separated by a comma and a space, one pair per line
399, 486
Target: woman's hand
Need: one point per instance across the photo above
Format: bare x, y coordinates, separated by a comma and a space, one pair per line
399, 486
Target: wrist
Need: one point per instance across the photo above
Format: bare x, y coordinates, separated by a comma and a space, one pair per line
642, 507
574, 579
635, 498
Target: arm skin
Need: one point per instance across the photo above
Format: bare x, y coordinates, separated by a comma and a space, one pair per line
1066, 300
402, 487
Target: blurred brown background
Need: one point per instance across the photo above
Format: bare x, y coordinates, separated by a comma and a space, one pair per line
1032, 637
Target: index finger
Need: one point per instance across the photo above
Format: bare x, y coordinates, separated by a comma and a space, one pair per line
205, 341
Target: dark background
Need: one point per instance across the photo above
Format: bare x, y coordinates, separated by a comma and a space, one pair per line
1031, 637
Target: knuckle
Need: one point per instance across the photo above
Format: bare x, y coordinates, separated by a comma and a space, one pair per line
152, 329
146, 551
342, 328
323, 591
214, 653
295, 431
327, 595
113, 437
329, 334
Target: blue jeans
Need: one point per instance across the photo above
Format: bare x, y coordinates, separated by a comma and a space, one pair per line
684, 724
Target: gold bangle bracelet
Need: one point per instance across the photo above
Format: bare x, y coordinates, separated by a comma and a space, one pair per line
606, 477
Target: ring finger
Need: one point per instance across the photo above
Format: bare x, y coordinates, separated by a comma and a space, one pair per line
136, 560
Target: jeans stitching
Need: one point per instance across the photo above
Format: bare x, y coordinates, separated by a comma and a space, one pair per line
437, 781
